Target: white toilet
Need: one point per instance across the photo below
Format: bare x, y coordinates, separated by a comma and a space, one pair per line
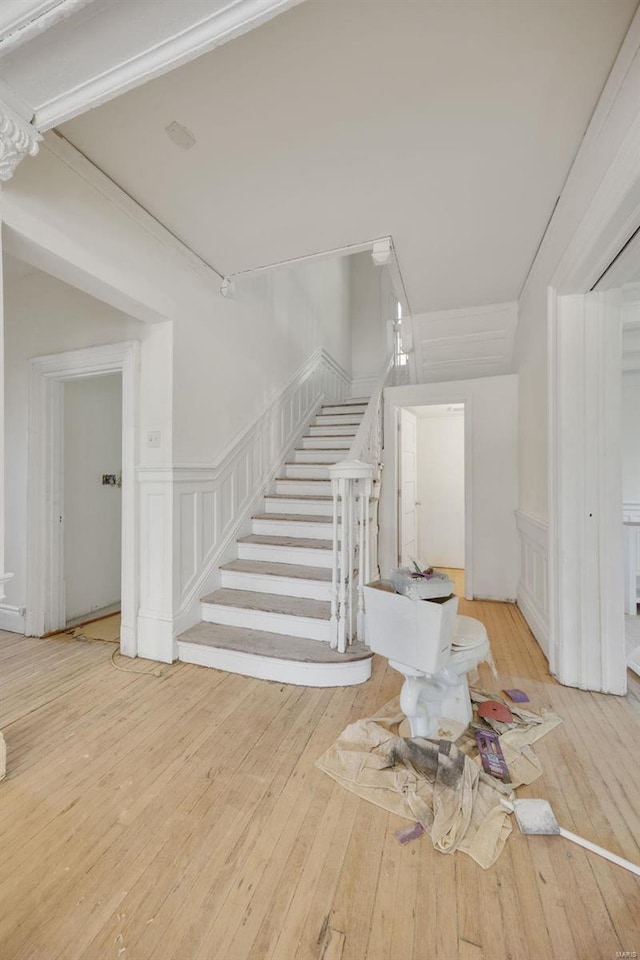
433, 648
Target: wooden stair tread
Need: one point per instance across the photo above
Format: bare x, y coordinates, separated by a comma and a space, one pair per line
306, 479
275, 645
270, 603
287, 541
298, 517
266, 568
298, 496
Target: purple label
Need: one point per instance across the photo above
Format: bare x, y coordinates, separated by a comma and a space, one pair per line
518, 696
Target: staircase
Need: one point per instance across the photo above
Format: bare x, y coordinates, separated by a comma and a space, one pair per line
271, 616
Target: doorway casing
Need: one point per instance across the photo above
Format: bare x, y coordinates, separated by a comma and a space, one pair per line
45, 566
393, 412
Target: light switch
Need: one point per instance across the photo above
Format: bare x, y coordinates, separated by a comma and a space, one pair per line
154, 438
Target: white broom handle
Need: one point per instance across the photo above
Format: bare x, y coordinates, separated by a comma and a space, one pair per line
613, 857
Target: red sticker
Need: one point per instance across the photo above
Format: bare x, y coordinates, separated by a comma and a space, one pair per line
493, 710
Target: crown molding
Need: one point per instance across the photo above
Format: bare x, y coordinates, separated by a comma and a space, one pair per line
23, 22
238, 17
18, 139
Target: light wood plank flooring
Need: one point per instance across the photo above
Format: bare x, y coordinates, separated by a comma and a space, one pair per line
175, 812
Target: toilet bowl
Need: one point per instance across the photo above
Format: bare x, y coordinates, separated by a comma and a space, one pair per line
433, 648
427, 699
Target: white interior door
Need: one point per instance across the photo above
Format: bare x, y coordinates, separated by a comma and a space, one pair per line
408, 523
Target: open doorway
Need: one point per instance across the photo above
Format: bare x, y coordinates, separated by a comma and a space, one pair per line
431, 486
52, 563
92, 500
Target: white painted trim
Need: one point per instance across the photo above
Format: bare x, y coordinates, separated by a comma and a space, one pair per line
586, 645
450, 395
631, 510
11, 618
392, 265
45, 570
238, 17
345, 674
31, 23
584, 373
533, 582
213, 503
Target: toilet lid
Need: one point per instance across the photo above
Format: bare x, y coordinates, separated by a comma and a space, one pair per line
467, 643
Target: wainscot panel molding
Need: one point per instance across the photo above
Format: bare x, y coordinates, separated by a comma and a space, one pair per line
11, 618
631, 511
208, 505
532, 587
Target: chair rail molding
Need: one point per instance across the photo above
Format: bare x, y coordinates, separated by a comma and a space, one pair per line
207, 505
532, 596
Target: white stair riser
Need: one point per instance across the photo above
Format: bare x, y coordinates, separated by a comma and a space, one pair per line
293, 528
309, 488
266, 621
304, 556
355, 408
326, 443
282, 586
319, 508
333, 431
337, 420
282, 671
318, 456
306, 471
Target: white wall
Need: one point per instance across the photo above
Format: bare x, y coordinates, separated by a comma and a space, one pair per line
372, 305
229, 363
491, 407
92, 511
631, 436
44, 316
441, 486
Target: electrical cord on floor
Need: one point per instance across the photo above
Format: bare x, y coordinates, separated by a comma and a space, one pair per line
158, 672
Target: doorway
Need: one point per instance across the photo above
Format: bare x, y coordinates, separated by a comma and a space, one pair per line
49, 561
92, 507
431, 488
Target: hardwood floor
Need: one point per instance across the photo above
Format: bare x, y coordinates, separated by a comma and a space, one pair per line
175, 812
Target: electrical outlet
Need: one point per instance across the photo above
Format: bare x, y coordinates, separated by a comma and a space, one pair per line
154, 438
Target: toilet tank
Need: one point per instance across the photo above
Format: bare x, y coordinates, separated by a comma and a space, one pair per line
414, 632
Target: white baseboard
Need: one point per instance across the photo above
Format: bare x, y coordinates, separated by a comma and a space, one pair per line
11, 618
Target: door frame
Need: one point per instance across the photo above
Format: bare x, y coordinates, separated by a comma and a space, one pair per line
45, 540
393, 453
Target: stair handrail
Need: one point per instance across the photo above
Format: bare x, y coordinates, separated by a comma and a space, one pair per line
355, 537
359, 449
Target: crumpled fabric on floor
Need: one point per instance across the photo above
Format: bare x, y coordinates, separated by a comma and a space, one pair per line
431, 781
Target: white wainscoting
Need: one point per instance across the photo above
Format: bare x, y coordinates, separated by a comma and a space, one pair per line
11, 618
206, 507
631, 511
533, 583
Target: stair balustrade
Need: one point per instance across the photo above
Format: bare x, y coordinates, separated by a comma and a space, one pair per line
355, 485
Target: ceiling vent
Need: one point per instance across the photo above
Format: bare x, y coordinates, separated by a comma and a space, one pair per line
180, 135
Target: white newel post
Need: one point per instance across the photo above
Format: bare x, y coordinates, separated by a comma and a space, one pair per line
351, 486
